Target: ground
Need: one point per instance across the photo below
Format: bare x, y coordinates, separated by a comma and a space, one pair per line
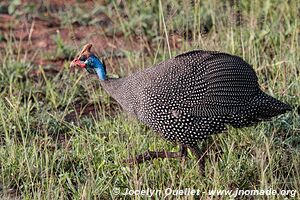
63, 137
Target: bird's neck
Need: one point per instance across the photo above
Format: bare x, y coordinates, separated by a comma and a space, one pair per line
120, 89
100, 70
112, 86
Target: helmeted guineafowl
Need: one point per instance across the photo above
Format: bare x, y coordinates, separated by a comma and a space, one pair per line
189, 97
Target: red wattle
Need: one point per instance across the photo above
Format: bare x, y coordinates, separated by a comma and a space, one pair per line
79, 63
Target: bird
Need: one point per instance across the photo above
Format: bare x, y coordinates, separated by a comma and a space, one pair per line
188, 98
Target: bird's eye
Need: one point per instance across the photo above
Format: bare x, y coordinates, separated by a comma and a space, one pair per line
82, 58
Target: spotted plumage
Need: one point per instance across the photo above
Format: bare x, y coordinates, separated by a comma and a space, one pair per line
194, 95
191, 96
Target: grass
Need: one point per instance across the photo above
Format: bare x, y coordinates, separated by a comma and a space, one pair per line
43, 156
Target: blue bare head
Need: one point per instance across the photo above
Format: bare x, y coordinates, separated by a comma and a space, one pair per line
94, 65
90, 62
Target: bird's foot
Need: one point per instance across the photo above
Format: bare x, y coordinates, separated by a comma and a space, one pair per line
151, 155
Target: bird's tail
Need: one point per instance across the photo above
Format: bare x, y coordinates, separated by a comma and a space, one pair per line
268, 106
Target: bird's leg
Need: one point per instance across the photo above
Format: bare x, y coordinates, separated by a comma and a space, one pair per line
150, 155
183, 151
200, 155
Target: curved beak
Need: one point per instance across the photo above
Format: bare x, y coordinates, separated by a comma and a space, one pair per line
77, 63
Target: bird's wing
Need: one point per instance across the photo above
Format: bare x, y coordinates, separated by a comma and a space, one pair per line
218, 84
